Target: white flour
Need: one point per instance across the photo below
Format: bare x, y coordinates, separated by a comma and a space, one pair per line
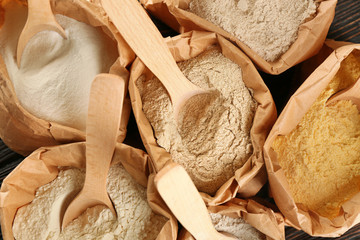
235, 226
214, 148
267, 27
135, 219
53, 82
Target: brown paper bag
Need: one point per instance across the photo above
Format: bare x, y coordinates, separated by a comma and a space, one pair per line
310, 39
22, 131
251, 177
41, 167
304, 69
269, 222
264, 219
296, 215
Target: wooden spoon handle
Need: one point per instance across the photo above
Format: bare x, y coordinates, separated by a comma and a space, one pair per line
102, 126
145, 39
180, 194
39, 10
104, 114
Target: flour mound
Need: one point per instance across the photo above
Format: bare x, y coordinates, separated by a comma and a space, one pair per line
54, 80
219, 142
267, 27
236, 227
320, 157
135, 219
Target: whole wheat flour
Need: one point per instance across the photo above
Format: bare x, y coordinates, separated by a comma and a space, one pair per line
135, 220
320, 157
236, 227
53, 82
219, 143
267, 27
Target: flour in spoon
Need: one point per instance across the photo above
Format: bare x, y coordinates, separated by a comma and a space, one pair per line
54, 80
41, 218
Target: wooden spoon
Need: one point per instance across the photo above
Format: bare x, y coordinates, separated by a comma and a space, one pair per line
181, 196
40, 18
351, 93
103, 121
144, 38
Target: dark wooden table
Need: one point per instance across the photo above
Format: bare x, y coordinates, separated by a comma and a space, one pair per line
345, 27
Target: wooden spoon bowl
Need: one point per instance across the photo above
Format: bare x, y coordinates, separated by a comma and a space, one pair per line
181, 196
145, 39
102, 126
40, 18
351, 93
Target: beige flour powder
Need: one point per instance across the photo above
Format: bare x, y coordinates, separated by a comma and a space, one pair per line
219, 143
135, 220
267, 27
53, 82
236, 227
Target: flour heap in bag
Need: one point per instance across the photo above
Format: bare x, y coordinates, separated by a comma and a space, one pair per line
53, 82
236, 227
220, 143
135, 219
268, 27
321, 157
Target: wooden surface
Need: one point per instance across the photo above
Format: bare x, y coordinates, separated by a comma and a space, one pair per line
346, 24
345, 27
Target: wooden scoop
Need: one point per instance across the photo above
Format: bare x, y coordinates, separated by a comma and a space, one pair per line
40, 18
351, 93
143, 37
185, 202
102, 126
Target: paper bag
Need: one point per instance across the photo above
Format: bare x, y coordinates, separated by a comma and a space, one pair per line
41, 167
264, 219
23, 132
297, 215
247, 180
311, 34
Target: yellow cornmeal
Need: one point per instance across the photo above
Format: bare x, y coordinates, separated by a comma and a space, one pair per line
321, 156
